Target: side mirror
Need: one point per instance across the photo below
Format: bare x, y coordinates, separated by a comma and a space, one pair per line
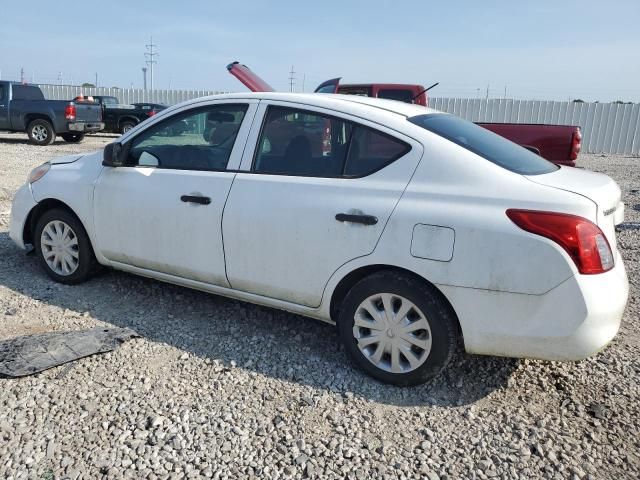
112, 156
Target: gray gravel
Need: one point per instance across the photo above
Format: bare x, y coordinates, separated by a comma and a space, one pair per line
217, 388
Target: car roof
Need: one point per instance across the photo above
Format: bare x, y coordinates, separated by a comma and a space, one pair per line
332, 101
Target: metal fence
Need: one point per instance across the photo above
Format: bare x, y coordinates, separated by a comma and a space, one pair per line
125, 95
606, 127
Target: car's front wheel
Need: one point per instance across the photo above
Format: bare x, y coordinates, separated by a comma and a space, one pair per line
397, 328
63, 247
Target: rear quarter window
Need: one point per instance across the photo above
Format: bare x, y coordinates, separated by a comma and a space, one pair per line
484, 143
371, 150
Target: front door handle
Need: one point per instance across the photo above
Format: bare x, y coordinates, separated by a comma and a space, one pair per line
196, 199
353, 218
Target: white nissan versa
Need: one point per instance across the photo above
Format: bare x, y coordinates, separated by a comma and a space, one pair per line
407, 227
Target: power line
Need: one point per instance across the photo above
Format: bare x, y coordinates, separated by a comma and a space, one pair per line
150, 55
292, 78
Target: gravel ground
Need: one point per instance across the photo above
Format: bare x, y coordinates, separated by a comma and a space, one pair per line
224, 389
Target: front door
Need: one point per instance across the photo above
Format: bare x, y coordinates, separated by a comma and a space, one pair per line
162, 211
320, 191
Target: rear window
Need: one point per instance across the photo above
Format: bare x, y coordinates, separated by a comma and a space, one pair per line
27, 92
396, 94
488, 145
355, 90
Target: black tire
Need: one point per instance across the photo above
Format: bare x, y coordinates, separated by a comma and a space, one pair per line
86, 258
126, 126
441, 319
72, 137
41, 132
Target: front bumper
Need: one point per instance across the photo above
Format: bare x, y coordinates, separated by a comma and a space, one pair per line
23, 203
85, 126
573, 321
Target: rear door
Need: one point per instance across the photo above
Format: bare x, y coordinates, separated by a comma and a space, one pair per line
301, 208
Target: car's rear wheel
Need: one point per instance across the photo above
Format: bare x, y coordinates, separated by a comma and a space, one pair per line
41, 132
72, 137
397, 328
63, 247
126, 126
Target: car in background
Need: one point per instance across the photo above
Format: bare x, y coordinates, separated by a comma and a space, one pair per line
560, 144
152, 108
23, 108
120, 118
407, 227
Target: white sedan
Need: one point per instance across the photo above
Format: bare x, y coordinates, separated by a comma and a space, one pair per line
408, 228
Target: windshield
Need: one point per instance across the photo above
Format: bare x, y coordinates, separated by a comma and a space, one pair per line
487, 144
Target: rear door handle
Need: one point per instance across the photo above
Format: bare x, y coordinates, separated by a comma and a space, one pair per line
196, 199
353, 218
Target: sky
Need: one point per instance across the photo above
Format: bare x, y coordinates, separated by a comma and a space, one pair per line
544, 50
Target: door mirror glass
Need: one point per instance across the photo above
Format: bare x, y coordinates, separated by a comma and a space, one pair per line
112, 156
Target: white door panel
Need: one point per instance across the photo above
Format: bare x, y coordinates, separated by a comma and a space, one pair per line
140, 220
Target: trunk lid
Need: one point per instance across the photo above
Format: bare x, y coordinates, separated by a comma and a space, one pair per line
597, 187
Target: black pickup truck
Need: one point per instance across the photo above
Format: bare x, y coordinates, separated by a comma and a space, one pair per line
119, 118
24, 109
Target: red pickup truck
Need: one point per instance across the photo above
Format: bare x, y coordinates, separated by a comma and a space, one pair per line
558, 143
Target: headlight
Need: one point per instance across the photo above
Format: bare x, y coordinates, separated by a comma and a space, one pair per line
39, 172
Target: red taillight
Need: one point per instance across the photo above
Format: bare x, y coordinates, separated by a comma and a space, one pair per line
70, 112
576, 144
582, 240
151, 113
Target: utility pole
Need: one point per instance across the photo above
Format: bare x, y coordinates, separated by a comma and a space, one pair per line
21, 74
151, 55
144, 77
487, 96
96, 84
292, 79
60, 78
505, 92
304, 78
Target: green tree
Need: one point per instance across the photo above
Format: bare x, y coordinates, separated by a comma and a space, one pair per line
88, 85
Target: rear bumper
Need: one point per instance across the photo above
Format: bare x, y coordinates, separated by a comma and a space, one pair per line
573, 321
23, 203
85, 126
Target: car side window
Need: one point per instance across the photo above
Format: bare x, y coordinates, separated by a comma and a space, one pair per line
302, 143
1, 92
371, 150
310, 144
199, 139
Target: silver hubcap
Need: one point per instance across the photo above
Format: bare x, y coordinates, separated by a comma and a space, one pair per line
39, 133
60, 247
392, 333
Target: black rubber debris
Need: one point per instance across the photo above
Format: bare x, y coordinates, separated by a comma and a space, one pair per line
29, 354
